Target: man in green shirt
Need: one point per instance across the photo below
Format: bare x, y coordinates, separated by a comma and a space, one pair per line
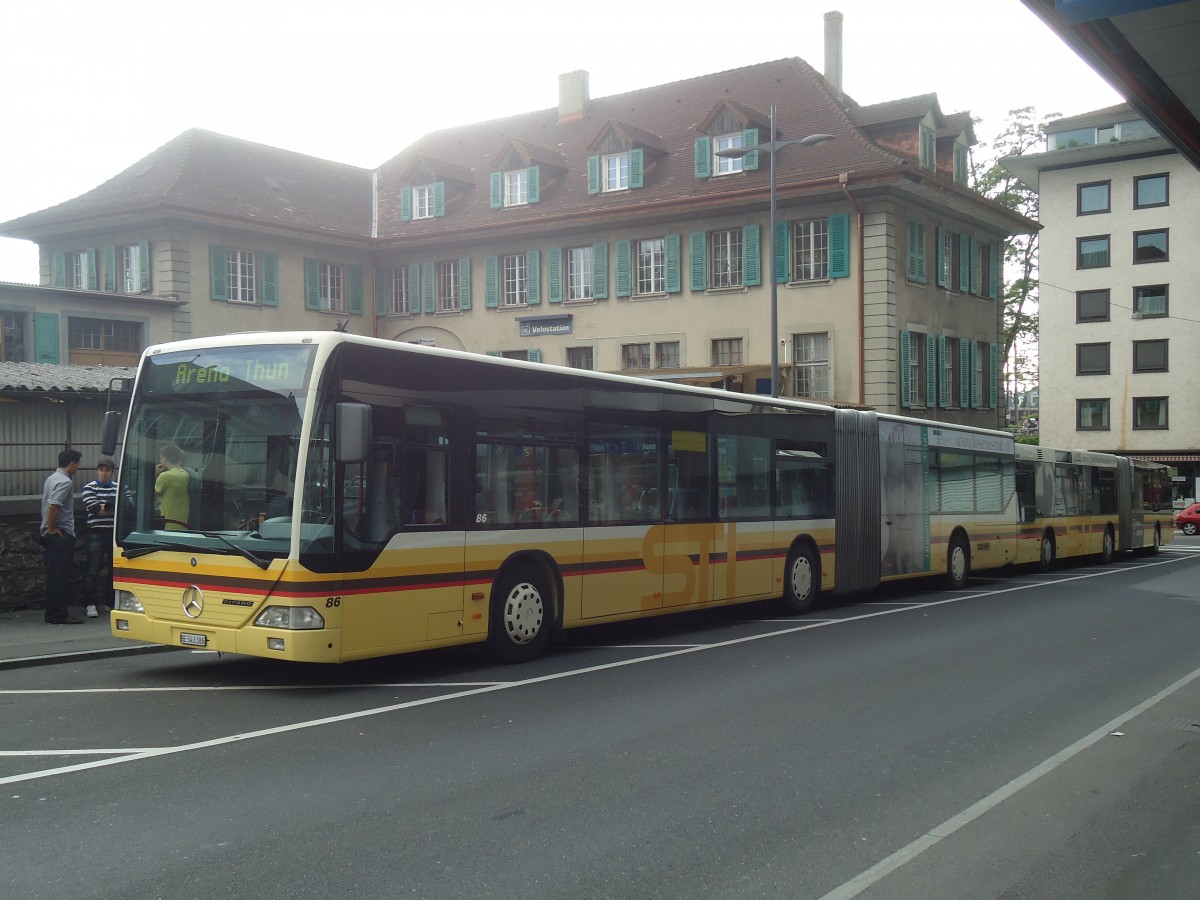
172, 486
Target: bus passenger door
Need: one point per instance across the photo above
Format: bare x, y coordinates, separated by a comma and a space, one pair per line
688, 548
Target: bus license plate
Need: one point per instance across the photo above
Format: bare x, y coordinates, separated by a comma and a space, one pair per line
193, 640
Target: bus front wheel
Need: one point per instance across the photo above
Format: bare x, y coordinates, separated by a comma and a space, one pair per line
520, 617
802, 581
1109, 548
1049, 551
958, 562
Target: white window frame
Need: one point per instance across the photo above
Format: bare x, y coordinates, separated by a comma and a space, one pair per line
580, 262
614, 171
516, 187
447, 286
399, 303
810, 250
131, 268
241, 278
651, 266
514, 286
422, 201
77, 269
947, 261
725, 253
810, 365
727, 165
331, 296
916, 369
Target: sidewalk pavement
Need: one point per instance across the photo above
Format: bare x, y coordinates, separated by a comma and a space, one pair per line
26, 640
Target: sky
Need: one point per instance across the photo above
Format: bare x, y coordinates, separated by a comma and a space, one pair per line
91, 89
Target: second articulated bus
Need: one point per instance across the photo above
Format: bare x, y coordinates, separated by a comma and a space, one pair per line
349, 497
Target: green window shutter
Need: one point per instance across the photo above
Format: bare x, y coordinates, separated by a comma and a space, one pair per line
905, 386
45, 338
940, 252
110, 269
497, 193
600, 271
975, 385
144, 265
624, 269
464, 283
781, 253
994, 380
429, 287
964, 263
533, 277
218, 272
928, 158
554, 291
636, 165
593, 174
943, 382
703, 156
960, 164
751, 255
674, 264
356, 290
59, 270
439, 198
414, 289
930, 371
975, 273
90, 279
406, 204
994, 271
698, 256
964, 373
491, 282
534, 355
312, 284
839, 246
911, 268
383, 288
750, 139
919, 239
270, 279
535, 184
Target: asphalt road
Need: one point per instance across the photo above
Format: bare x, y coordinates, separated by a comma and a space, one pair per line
1035, 736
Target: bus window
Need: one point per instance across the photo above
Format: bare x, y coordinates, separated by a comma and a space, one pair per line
803, 473
624, 474
687, 473
526, 474
744, 476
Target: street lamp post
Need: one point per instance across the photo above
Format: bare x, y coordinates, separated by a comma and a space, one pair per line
773, 146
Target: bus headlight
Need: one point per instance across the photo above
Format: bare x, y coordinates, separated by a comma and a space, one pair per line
294, 618
125, 601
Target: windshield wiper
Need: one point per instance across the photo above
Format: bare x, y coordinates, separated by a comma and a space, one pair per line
192, 548
162, 545
257, 560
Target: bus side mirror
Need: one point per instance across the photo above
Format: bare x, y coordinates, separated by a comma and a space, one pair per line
353, 423
108, 437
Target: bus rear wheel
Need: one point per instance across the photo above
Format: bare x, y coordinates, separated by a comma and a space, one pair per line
1109, 548
520, 616
1048, 551
801, 582
958, 562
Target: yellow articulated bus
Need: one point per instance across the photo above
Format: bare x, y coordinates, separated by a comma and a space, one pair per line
1078, 503
323, 497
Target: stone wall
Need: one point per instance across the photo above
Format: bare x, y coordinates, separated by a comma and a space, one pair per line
23, 570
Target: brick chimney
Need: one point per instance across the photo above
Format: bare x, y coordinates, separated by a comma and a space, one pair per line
572, 95
833, 50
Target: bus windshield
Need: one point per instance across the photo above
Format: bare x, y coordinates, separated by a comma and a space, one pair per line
211, 452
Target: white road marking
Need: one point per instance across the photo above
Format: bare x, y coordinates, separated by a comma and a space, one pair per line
487, 688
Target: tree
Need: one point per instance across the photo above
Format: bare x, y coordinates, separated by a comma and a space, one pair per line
1023, 133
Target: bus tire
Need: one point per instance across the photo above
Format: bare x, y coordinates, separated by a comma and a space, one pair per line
1153, 549
801, 581
1047, 551
521, 617
958, 562
1108, 548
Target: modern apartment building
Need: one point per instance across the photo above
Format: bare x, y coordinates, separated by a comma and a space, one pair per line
607, 233
1119, 317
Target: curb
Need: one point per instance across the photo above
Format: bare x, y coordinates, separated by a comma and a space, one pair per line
50, 659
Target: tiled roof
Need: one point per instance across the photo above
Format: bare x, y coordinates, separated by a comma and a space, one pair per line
205, 172
51, 378
670, 114
895, 110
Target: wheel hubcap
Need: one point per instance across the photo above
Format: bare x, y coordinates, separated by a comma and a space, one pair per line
958, 563
523, 612
1047, 550
802, 578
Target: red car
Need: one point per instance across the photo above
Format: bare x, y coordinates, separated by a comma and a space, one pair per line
1188, 520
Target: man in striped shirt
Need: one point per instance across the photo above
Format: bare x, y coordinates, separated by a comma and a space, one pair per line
100, 501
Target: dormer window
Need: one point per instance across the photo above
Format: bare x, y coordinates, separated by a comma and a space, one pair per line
422, 201
622, 157
723, 165
616, 172
516, 187
730, 126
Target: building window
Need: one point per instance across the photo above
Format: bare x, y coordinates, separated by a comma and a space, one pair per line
241, 276
1091, 252
1150, 301
77, 269
1091, 306
1149, 412
666, 355
810, 255
727, 352
1150, 246
580, 358
726, 258
447, 286
948, 261
579, 274
916, 369
1091, 359
811, 365
516, 187
651, 267
952, 373
330, 287
399, 302
981, 373
1150, 356
104, 342
725, 165
515, 283
12, 349
635, 356
1150, 190
422, 202
1091, 415
1093, 198
615, 169
130, 257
